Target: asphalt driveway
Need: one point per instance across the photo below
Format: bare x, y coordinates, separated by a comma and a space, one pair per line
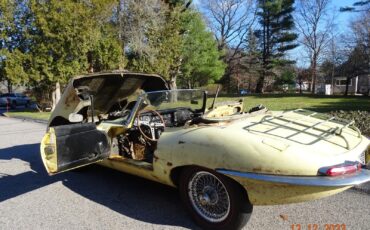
100, 198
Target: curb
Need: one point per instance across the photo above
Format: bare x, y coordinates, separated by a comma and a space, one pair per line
26, 119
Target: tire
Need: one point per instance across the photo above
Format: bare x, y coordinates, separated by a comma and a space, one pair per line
214, 190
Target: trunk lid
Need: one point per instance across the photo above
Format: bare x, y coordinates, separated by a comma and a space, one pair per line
319, 132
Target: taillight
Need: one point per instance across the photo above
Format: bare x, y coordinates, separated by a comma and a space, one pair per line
342, 169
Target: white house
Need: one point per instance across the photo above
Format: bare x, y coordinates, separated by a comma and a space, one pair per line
357, 85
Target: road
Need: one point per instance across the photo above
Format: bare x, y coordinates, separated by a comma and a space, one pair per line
100, 198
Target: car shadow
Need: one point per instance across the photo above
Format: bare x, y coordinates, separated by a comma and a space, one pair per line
128, 195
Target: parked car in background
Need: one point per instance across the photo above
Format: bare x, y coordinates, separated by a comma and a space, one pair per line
243, 91
14, 99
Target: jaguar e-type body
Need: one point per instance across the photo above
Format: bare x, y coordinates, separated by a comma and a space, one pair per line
222, 159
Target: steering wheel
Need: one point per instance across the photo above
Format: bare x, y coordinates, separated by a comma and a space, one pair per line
151, 125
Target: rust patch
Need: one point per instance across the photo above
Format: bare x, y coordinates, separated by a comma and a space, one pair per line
169, 164
139, 150
264, 170
259, 169
71, 99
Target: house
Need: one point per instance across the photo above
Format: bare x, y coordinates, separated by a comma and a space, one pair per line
357, 85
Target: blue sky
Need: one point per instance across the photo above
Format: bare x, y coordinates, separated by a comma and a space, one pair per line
343, 18
342, 21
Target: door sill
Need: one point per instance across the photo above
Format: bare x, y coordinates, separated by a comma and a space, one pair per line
136, 163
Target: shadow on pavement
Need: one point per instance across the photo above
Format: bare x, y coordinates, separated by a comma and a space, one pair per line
128, 195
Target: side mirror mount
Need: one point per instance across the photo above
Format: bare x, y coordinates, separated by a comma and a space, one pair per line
75, 118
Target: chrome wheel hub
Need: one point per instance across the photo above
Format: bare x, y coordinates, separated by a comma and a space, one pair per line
209, 197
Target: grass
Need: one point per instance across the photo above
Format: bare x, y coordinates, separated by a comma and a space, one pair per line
315, 103
33, 115
272, 102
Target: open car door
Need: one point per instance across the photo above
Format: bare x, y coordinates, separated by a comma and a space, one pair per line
70, 146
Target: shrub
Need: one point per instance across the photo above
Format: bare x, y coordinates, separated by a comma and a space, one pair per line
361, 118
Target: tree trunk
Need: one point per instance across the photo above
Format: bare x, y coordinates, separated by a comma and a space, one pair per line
172, 85
56, 95
261, 80
332, 79
347, 83
313, 72
226, 79
9, 86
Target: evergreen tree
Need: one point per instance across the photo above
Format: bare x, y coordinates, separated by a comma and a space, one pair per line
251, 62
161, 41
14, 43
275, 36
200, 56
69, 38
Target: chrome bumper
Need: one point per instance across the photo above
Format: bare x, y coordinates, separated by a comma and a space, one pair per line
322, 181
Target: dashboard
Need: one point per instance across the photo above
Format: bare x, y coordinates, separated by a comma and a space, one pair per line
172, 117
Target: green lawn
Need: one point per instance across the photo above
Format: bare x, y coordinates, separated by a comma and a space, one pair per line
272, 102
33, 115
315, 103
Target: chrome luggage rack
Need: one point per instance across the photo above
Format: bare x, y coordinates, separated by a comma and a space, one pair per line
325, 133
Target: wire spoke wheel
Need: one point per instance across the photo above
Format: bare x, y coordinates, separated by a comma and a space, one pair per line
209, 197
213, 200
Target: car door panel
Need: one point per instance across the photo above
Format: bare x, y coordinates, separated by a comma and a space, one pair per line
69, 146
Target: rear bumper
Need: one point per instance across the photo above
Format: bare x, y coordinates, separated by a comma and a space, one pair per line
319, 181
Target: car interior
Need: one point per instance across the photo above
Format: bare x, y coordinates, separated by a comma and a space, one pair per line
145, 127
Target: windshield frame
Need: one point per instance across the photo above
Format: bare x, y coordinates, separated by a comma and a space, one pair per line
129, 122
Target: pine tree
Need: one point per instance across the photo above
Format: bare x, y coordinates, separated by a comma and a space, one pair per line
200, 56
251, 63
275, 36
162, 41
14, 43
68, 38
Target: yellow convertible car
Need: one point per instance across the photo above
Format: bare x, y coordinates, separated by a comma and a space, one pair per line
222, 159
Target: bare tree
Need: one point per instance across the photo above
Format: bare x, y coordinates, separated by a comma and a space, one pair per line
333, 56
138, 19
315, 26
230, 21
361, 30
358, 47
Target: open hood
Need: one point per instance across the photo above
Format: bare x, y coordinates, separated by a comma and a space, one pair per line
106, 89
